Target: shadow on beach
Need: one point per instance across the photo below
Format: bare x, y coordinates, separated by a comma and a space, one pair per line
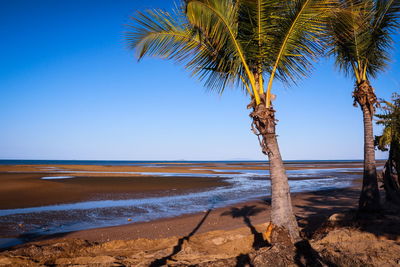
315, 211
246, 212
20, 240
178, 247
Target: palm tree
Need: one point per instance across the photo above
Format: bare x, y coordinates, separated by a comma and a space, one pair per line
390, 139
361, 35
240, 43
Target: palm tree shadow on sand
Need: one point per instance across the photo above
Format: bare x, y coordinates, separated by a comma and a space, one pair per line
178, 247
305, 255
246, 212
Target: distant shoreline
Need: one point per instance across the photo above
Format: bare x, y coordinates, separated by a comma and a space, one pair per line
133, 162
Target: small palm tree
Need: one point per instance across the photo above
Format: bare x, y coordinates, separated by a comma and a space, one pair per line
242, 43
390, 139
361, 35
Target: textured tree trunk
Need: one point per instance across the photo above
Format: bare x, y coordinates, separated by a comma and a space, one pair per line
282, 212
369, 199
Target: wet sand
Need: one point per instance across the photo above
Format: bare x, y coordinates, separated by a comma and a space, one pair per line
152, 241
21, 190
318, 204
23, 187
311, 209
206, 239
171, 167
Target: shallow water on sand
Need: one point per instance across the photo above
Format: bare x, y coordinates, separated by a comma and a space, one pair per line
244, 184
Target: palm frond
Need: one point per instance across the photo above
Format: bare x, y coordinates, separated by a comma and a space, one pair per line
256, 18
236, 42
361, 36
170, 36
346, 27
379, 41
299, 38
218, 22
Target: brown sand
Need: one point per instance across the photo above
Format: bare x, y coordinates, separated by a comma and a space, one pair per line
22, 187
334, 245
220, 237
231, 241
319, 205
174, 167
71, 169
230, 236
21, 190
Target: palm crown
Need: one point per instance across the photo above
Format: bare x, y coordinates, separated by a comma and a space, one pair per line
361, 36
236, 42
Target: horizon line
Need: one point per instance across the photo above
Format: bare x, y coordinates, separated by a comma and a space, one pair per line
174, 160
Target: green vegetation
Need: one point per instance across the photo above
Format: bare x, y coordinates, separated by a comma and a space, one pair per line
390, 140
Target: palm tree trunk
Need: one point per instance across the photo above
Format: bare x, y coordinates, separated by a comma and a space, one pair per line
369, 198
282, 212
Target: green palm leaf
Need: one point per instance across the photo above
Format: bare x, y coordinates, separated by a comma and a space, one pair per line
361, 36
228, 43
379, 41
158, 33
298, 38
218, 21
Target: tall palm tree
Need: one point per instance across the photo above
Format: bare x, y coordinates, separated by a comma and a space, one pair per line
390, 140
242, 43
361, 39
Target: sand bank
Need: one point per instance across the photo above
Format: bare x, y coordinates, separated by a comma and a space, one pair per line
317, 205
21, 190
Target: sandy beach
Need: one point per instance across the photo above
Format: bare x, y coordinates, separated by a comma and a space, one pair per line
311, 206
23, 185
153, 200
229, 236
20, 190
45, 215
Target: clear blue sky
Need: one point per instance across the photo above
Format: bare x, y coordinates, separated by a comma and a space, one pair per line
70, 89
